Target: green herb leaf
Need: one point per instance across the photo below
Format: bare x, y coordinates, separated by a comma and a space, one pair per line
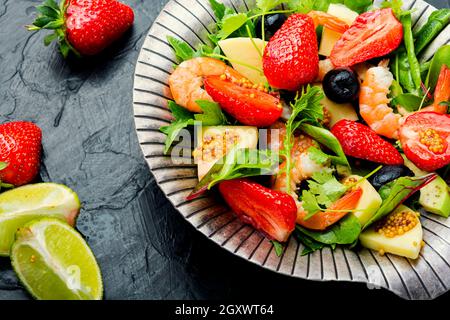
346, 231
183, 51
267, 5
3, 165
230, 23
318, 156
400, 190
309, 108
279, 248
218, 9
238, 163
442, 56
409, 101
212, 114
396, 6
310, 244
310, 204
326, 138
359, 6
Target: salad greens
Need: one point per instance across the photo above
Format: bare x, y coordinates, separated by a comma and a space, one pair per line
309, 107
441, 57
399, 191
238, 163
324, 189
326, 138
437, 21
346, 231
212, 115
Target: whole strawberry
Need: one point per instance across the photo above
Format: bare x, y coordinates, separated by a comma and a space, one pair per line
291, 58
359, 141
20, 152
85, 27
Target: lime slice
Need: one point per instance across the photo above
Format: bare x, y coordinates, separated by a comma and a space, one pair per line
23, 204
55, 263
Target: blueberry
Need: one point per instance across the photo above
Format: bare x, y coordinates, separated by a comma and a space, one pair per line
388, 174
273, 22
341, 85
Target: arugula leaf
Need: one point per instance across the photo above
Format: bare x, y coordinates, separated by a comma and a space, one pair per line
218, 9
237, 163
211, 116
346, 231
302, 6
400, 190
230, 23
279, 248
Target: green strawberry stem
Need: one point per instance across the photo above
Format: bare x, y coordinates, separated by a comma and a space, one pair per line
52, 17
3, 185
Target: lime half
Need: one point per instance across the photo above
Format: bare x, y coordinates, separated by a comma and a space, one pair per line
21, 205
55, 263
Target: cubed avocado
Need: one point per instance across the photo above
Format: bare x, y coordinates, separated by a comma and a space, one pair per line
435, 196
369, 202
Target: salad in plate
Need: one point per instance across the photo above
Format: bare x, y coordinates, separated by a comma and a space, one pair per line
315, 119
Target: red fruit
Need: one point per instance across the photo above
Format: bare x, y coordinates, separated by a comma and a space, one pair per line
373, 34
425, 138
291, 58
20, 149
249, 106
272, 212
85, 26
359, 141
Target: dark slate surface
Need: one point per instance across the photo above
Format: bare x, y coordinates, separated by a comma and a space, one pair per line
144, 247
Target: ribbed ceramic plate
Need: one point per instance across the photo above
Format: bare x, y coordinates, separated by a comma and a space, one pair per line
191, 20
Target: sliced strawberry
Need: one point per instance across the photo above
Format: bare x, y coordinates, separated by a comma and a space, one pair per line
20, 150
272, 212
373, 34
425, 138
251, 107
291, 58
359, 141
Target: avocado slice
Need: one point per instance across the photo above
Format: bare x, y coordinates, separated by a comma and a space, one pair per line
369, 202
406, 244
435, 196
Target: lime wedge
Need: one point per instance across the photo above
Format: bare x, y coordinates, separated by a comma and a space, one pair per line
23, 204
55, 263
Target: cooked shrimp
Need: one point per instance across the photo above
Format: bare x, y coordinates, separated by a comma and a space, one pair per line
329, 21
373, 102
186, 82
324, 219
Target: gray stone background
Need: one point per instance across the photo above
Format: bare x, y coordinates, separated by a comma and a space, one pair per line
144, 247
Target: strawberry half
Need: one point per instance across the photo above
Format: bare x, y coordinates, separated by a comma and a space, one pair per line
85, 27
249, 106
291, 58
272, 212
359, 141
20, 152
